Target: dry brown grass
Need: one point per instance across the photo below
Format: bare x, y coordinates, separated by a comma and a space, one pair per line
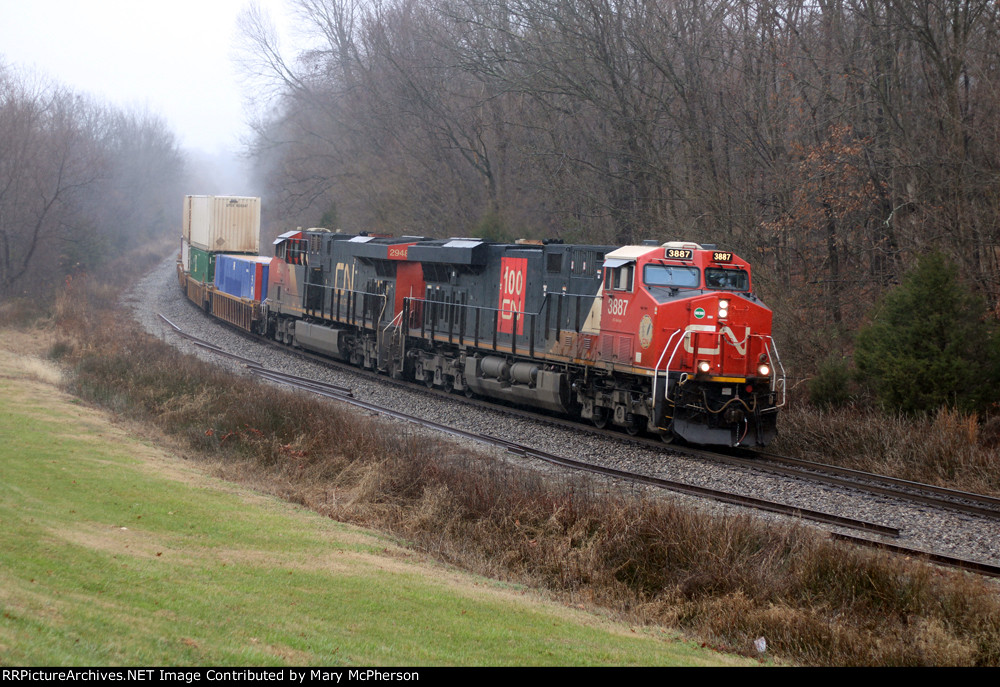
948, 449
727, 580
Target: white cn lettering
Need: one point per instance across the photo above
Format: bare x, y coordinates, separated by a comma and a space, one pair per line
740, 346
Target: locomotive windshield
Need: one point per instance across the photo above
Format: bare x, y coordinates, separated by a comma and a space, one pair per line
731, 280
677, 276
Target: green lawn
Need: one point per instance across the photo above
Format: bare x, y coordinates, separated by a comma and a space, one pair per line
113, 552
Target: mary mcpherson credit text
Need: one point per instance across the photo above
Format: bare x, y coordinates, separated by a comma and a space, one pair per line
293, 675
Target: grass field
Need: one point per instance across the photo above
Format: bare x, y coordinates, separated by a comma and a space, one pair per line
116, 552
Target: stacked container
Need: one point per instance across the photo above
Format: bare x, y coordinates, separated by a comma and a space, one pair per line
243, 276
201, 265
218, 224
222, 224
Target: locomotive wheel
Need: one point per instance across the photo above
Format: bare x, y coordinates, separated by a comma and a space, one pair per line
667, 437
469, 393
600, 418
429, 382
632, 429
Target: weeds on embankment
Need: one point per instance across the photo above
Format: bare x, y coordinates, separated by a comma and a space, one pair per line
724, 579
948, 448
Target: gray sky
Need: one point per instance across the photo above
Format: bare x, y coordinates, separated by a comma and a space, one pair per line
175, 58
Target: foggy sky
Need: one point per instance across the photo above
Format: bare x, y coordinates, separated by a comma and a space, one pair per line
176, 59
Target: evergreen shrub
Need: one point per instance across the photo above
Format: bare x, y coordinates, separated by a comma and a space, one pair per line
931, 344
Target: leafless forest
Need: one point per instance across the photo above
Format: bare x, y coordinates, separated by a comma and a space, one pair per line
828, 141
80, 183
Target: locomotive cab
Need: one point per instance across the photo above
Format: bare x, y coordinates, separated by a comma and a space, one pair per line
720, 386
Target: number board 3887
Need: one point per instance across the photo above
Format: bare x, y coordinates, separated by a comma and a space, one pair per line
678, 254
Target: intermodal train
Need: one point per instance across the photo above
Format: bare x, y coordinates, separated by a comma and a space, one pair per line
667, 339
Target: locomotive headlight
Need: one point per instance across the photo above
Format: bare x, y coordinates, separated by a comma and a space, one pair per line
723, 309
704, 366
763, 370
723, 304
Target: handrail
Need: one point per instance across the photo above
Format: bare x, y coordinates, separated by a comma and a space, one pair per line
656, 369
537, 313
392, 324
769, 345
671, 346
351, 307
685, 333
519, 319
774, 379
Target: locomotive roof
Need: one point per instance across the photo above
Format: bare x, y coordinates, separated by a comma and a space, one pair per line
293, 234
451, 251
632, 252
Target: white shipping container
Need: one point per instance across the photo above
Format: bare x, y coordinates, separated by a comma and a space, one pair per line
223, 224
185, 256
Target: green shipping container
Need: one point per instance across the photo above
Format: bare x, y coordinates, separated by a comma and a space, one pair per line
202, 265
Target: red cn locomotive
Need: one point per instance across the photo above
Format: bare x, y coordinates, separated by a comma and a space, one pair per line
703, 336
668, 339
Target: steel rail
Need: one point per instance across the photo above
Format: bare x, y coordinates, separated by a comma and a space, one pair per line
990, 504
344, 394
724, 497
981, 505
252, 365
979, 567
808, 470
209, 347
987, 506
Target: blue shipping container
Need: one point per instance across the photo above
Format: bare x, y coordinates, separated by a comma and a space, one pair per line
243, 276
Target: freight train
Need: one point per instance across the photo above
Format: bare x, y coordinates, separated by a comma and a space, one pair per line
668, 339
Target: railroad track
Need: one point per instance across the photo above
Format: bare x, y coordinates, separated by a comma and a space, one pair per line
868, 482
915, 492
345, 394
530, 452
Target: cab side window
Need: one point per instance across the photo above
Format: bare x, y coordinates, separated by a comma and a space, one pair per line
296, 251
619, 278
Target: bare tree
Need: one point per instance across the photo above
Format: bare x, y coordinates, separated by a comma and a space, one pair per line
79, 182
46, 161
832, 140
